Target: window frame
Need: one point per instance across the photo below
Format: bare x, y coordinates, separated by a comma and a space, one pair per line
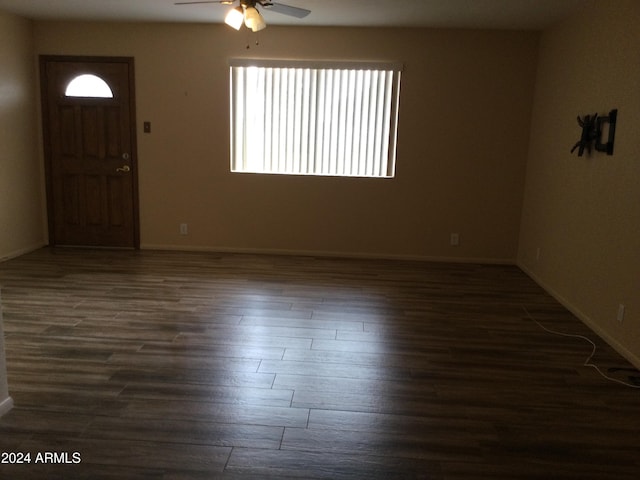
386, 164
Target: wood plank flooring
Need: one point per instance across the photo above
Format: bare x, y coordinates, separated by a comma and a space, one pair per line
171, 366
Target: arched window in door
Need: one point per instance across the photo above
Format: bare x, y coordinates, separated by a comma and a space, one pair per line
88, 85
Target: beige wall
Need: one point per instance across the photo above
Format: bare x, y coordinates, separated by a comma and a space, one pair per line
583, 213
464, 125
21, 186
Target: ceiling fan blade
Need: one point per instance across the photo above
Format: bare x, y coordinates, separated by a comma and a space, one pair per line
223, 2
286, 9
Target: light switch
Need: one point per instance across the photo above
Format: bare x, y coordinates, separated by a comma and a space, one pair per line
146, 127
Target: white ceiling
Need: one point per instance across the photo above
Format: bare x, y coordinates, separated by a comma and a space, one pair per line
500, 14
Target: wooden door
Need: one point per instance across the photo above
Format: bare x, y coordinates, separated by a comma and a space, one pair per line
90, 152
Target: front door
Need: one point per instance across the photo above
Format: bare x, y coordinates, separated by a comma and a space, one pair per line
90, 150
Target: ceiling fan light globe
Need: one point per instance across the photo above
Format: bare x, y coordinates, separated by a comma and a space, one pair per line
252, 17
234, 18
258, 24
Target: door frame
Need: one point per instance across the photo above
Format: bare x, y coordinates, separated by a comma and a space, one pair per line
46, 135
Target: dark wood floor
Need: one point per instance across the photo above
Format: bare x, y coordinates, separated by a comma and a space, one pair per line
166, 365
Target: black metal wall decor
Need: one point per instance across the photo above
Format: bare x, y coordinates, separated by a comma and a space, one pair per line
592, 129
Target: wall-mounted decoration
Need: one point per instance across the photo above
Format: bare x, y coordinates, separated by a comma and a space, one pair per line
592, 129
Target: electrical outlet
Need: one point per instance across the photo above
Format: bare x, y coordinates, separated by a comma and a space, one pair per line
620, 313
184, 229
455, 239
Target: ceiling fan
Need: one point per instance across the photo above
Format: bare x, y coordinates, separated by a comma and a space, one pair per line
247, 13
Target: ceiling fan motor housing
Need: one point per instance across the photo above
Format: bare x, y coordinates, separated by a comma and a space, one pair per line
252, 3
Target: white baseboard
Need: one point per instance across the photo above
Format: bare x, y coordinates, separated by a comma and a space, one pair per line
330, 254
22, 251
584, 318
6, 405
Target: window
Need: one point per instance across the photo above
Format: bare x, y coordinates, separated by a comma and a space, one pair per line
88, 85
314, 118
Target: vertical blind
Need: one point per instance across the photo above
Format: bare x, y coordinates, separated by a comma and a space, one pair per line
310, 119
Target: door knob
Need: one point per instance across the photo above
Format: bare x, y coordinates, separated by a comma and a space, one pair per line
124, 168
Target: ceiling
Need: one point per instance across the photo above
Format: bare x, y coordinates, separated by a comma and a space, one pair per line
498, 14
